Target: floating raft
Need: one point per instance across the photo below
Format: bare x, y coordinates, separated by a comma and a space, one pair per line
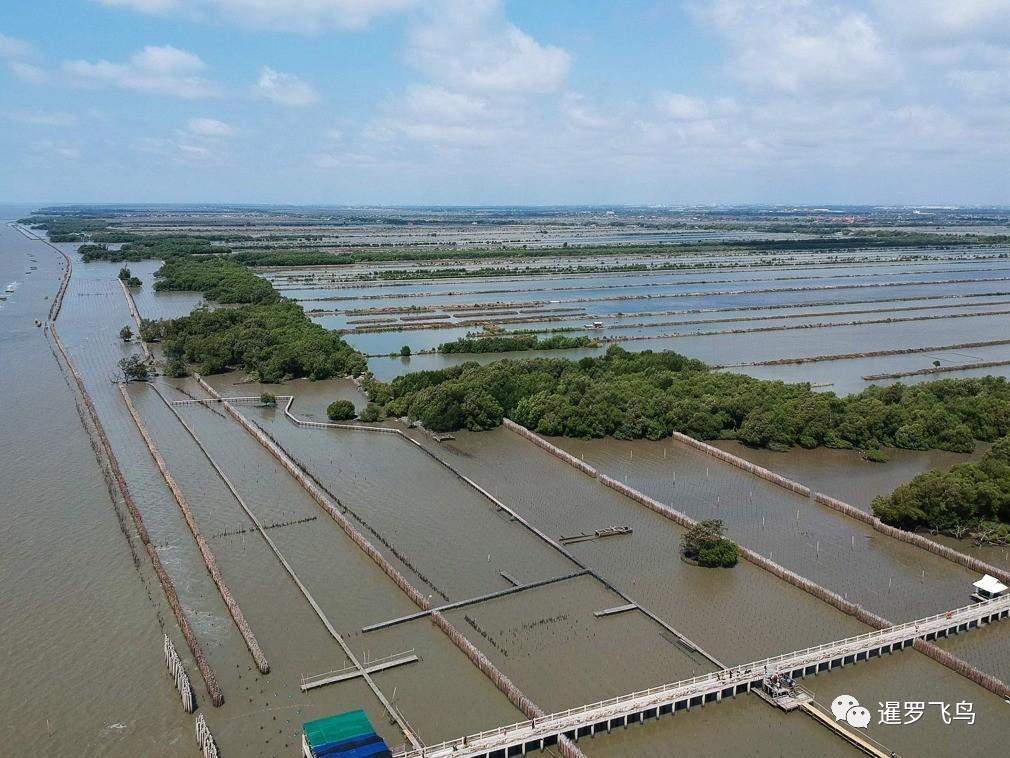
615, 609
348, 735
610, 531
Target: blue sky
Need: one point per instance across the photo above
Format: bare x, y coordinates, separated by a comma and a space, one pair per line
506, 101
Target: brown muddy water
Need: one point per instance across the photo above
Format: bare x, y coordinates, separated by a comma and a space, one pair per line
79, 624
84, 620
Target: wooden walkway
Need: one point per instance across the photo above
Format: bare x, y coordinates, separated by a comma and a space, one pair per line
709, 688
353, 672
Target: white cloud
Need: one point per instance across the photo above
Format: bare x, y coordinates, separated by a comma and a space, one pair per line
62, 151
431, 102
161, 70
16, 52
285, 89
470, 45
308, 16
680, 107
580, 114
797, 45
10, 47
28, 72
144, 6
208, 127
44, 118
947, 20
188, 151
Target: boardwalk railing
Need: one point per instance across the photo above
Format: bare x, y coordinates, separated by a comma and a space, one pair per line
710, 687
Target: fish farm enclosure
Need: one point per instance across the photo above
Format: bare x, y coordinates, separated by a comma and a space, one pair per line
225, 567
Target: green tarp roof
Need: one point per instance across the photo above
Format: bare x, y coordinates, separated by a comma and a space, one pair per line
344, 726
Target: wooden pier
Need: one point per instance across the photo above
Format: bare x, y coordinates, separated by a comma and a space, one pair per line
353, 672
655, 702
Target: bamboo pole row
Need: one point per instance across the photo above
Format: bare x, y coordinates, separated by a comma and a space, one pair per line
110, 464
736, 460
178, 673
515, 696
913, 538
499, 304
57, 304
871, 354
570, 288
936, 370
952, 662
960, 666
132, 305
554, 450
204, 739
797, 327
205, 552
312, 280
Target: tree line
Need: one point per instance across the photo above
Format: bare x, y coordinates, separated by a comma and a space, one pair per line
650, 395
507, 343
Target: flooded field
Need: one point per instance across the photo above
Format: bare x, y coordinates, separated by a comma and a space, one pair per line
928, 314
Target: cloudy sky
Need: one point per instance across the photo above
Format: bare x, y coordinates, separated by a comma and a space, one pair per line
506, 101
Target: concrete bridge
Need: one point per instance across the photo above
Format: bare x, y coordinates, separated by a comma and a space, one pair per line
574, 723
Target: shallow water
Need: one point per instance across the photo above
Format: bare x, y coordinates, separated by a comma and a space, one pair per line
74, 593
83, 670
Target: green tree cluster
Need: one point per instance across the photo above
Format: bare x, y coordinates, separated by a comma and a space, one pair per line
128, 278
218, 279
704, 543
341, 410
273, 341
155, 247
967, 495
134, 369
649, 395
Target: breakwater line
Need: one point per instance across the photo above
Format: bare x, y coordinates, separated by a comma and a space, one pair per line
205, 552
500, 680
879, 354
855, 610
601, 287
797, 327
687, 643
659, 296
117, 482
913, 538
317, 609
781, 316
902, 535
292, 276
132, 305
958, 665
937, 370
